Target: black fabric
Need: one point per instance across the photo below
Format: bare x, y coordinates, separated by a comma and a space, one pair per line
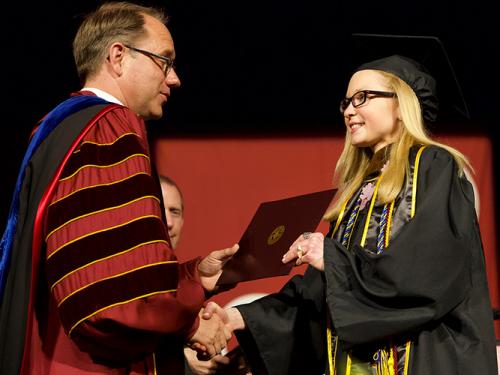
288, 328
426, 50
14, 306
415, 75
429, 286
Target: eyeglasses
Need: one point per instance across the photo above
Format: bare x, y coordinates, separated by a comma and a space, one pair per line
360, 97
167, 62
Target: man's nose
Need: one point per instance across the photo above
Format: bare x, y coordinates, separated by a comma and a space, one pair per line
169, 219
173, 79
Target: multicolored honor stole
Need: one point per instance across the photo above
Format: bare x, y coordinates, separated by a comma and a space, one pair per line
386, 359
49, 123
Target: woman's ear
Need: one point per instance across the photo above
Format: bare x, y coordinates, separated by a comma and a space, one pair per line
398, 113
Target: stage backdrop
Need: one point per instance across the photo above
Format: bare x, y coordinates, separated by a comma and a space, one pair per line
225, 179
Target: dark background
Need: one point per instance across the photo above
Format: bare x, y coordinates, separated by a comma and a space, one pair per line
247, 67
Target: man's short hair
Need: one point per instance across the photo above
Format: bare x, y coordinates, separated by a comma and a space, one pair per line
169, 181
111, 22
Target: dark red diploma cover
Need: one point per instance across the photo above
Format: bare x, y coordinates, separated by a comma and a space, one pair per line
274, 227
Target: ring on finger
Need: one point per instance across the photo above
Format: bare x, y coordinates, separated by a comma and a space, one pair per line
300, 252
306, 235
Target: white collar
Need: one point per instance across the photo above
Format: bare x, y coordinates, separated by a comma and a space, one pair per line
102, 94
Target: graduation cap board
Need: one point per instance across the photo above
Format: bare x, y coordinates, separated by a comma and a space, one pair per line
273, 229
426, 50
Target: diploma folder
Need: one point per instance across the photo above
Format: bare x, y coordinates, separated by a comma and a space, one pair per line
273, 229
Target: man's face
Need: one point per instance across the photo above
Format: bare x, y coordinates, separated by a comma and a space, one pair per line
173, 211
146, 87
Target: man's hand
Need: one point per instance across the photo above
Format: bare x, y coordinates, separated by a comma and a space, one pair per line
199, 367
230, 316
212, 335
210, 268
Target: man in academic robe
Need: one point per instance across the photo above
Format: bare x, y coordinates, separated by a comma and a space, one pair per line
89, 281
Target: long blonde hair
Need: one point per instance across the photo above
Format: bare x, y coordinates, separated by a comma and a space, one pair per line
352, 165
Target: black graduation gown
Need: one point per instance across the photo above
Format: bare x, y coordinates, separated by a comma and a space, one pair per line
428, 286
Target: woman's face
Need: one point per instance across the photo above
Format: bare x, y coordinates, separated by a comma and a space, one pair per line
375, 123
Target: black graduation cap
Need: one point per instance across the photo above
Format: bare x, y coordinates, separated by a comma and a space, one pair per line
426, 50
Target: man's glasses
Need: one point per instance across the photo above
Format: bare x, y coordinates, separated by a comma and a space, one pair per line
360, 97
167, 62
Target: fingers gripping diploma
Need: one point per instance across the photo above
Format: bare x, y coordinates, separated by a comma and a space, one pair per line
210, 268
308, 248
212, 334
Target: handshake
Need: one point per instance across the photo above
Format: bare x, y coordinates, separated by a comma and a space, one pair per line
216, 323
215, 329
205, 351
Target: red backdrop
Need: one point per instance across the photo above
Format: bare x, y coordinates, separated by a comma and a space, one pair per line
225, 179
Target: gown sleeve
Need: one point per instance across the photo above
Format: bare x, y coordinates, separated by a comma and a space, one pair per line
110, 269
285, 331
422, 275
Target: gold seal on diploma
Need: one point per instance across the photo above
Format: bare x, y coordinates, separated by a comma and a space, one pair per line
276, 235
273, 228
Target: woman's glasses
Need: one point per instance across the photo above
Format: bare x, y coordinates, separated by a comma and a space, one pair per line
360, 97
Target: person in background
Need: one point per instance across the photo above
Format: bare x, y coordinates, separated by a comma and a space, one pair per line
174, 213
398, 285
88, 280
173, 201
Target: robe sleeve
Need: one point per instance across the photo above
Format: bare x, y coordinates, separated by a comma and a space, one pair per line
117, 285
284, 331
422, 275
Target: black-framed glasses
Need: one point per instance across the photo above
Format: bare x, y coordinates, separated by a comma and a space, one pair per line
167, 62
360, 97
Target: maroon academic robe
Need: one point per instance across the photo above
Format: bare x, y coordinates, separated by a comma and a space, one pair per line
112, 297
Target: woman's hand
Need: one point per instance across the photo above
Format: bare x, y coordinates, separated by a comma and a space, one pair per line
308, 248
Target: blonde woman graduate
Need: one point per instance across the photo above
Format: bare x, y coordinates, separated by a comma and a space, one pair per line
398, 285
